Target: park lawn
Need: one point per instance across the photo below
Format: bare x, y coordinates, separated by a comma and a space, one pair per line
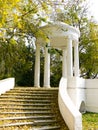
90, 121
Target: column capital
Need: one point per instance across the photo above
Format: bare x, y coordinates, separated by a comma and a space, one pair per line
75, 42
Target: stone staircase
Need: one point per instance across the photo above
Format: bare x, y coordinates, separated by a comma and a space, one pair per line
26, 108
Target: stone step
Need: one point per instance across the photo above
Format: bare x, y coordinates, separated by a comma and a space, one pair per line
27, 94
28, 112
29, 127
25, 113
30, 108
23, 100
25, 108
34, 123
45, 122
57, 127
31, 93
28, 117
35, 113
26, 97
34, 91
37, 89
16, 124
24, 105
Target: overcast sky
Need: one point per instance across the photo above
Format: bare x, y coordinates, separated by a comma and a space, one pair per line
94, 8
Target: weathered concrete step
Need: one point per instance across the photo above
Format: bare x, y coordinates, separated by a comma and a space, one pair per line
57, 127
35, 90
31, 109
31, 101
25, 108
24, 105
26, 97
35, 113
31, 93
38, 89
29, 127
27, 94
28, 117
28, 112
17, 124
34, 123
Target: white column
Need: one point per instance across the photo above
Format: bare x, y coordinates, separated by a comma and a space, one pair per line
76, 59
37, 67
69, 58
64, 64
47, 69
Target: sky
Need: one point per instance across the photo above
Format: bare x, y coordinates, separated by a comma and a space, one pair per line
94, 9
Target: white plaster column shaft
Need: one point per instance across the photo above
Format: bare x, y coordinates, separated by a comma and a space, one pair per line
37, 67
69, 58
47, 68
64, 64
76, 59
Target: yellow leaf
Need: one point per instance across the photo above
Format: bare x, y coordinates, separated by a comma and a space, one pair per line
19, 25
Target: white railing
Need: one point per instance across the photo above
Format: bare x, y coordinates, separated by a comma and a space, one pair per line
6, 84
69, 112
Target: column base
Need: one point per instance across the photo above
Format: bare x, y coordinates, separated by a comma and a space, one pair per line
47, 86
36, 86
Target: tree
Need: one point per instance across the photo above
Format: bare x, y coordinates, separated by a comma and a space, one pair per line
7, 7
56, 67
20, 21
75, 14
89, 52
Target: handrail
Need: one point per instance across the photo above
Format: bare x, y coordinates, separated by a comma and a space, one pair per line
6, 84
69, 112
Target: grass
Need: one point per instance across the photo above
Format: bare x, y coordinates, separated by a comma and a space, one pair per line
90, 121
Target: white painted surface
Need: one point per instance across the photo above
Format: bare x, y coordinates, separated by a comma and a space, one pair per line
84, 90
76, 60
70, 113
47, 68
91, 83
37, 67
6, 84
92, 95
69, 58
76, 90
79, 90
58, 33
64, 63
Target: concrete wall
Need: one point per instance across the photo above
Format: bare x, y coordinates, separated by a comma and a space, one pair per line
6, 84
69, 112
92, 95
84, 93
76, 90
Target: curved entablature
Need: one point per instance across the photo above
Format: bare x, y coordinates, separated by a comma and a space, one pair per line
60, 29
58, 33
